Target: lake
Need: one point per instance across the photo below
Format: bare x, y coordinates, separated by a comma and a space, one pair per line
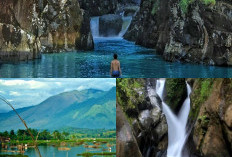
52, 151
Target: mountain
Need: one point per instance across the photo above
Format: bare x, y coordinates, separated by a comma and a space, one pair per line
92, 109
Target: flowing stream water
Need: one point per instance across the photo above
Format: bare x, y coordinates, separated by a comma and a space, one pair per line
177, 124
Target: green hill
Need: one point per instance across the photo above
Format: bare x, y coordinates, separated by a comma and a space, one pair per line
92, 109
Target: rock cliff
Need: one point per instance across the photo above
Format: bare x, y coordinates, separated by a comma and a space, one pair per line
212, 108
196, 31
29, 28
146, 127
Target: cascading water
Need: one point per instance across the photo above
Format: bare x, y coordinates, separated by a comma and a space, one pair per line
94, 25
126, 23
177, 134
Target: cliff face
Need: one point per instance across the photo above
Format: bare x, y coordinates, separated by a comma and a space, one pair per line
146, 126
29, 28
198, 31
212, 108
17, 38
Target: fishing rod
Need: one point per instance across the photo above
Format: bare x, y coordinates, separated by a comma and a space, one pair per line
8, 103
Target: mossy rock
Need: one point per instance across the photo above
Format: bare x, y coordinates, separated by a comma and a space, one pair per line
176, 93
130, 94
201, 91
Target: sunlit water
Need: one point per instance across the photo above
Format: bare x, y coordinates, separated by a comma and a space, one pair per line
50, 151
136, 61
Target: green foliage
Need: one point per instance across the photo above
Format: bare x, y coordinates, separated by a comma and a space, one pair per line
88, 154
209, 2
155, 7
127, 94
64, 134
200, 95
203, 118
184, 4
176, 92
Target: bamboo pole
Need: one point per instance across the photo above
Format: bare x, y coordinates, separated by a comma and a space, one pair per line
8, 103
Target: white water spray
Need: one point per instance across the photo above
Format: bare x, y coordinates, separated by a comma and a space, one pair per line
177, 134
94, 25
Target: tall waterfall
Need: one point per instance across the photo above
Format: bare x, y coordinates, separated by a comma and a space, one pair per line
94, 25
177, 134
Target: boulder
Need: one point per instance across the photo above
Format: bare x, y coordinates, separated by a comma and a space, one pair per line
110, 25
99, 7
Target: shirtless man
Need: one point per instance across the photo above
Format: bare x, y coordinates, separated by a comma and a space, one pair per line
115, 70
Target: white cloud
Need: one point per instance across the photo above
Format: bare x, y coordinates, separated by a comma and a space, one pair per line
32, 84
28, 92
14, 93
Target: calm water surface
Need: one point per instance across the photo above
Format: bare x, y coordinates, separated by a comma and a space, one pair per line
50, 151
136, 61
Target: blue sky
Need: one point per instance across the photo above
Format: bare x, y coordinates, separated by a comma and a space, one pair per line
27, 92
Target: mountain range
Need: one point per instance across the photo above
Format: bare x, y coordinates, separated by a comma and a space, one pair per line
91, 108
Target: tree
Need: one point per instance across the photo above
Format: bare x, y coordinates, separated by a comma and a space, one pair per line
56, 135
65, 134
45, 135
12, 135
6, 134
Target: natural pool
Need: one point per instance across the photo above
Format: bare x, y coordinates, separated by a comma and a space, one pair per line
136, 61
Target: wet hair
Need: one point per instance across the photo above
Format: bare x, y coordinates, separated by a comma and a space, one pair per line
115, 56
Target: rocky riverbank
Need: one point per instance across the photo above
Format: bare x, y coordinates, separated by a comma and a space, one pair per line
183, 30
31, 28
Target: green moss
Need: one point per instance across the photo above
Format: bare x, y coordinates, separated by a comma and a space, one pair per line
200, 95
176, 93
128, 95
184, 4
155, 7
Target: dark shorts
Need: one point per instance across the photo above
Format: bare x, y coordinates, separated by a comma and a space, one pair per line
115, 74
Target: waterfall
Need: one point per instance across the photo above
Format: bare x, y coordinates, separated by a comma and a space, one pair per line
177, 134
94, 26
126, 23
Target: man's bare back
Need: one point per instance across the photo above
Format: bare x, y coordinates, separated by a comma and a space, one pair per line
115, 69
115, 64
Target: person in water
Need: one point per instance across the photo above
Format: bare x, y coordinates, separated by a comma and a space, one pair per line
115, 70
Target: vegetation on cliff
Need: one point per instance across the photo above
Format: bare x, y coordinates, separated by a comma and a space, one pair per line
176, 93
202, 89
128, 95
